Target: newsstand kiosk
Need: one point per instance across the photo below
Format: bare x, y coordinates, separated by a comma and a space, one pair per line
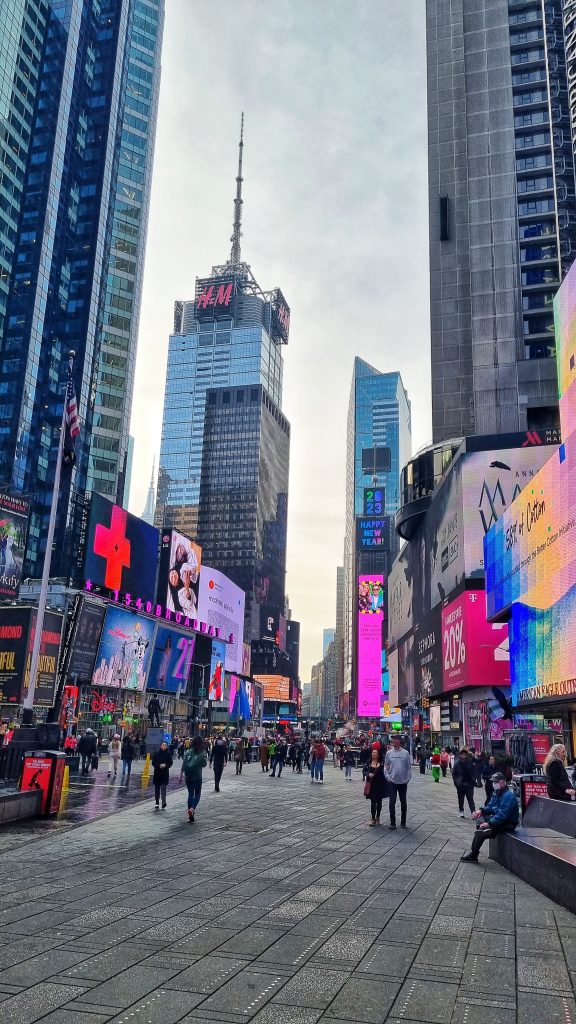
44, 771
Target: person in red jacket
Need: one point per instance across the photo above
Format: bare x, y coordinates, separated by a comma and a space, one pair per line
319, 756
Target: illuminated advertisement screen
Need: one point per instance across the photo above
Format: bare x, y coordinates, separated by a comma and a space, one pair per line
14, 626
49, 654
372, 533
85, 641
221, 603
543, 651
246, 659
565, 331
239, 699
171, 661
370, 643
275, 687
125, 650
474, 652
217, 660
374, 501
428, 655
273, 626
13, 528
179, 574
121, 551
530, 553
280, 317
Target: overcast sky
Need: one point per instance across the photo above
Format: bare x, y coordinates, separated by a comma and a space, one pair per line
335, 213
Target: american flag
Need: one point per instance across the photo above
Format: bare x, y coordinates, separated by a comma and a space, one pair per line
72, 420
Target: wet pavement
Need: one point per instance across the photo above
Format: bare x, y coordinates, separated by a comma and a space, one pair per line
278, 906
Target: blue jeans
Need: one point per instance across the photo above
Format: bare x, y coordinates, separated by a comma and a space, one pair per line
348, 771
319, 769
194, 787
277, 763
126, 767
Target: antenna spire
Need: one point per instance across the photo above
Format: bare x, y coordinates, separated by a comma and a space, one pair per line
235, 254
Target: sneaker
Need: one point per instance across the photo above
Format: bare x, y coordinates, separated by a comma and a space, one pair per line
163, 807
460, 814
190, 815
403, 824
391, 825
372, 824
469, 858
157, 807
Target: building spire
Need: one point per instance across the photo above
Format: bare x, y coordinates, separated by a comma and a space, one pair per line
235, 254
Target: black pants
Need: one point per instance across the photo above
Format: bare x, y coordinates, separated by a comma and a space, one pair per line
238, 767
86, 762
376, 807
468, 793
443, 767
422, 766
160, 789
482, 834
489, 789
394, 789
218, 769
277, 763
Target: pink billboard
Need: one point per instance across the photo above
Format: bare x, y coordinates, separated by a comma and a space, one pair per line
474, 652
370, 621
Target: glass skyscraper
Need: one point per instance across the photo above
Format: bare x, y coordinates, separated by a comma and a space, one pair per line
80, 85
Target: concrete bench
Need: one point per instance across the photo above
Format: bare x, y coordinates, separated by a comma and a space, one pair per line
16, 805
542, 851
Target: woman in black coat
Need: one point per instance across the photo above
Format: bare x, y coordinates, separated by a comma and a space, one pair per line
161, 763
464, 779
378, 786
558, 784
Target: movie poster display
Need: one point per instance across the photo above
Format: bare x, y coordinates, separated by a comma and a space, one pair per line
221, 603
85, 640
14, 626
428, 680
125, 650
179, 575
370, 644
217, 663
48, 660
14, 513
171, 661
121, 551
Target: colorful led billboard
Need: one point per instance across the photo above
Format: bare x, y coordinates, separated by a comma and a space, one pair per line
274, 687
17, 627
125, 650
565, 331
221, 603
13, 528
85, 639
171, 661
179, 573
372, 533
543, 651
121, 551
474, 652
48, 661
369, 644
217, 660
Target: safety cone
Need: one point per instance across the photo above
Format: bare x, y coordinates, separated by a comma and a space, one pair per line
146, 768
66, 780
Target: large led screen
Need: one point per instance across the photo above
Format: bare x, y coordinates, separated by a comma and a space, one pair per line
474, 652
565, 330
171, 661
48, 660
217, 660
369, 644
274, 687
125, 650
85, 640
239, 698
13, 527
221, 603
14, 626
530, 553
179, 574
121, 551
543, 651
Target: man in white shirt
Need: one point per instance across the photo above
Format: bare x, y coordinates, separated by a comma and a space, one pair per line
398, 772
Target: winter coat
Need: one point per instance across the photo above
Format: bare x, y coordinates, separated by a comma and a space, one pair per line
114, 748
193, 764
87, 744
128, 749
557, 781
349, 759
219, 754
162, 775
264, 753
378, 784
502, 809
463, 774
239, 753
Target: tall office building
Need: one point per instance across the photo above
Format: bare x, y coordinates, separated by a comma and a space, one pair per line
230, 335
339, 635
502, 209
79, 89
379, 443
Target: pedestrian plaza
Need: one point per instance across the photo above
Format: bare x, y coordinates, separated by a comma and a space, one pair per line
278, 906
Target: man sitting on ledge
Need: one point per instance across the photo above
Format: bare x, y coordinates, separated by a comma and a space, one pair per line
500, 815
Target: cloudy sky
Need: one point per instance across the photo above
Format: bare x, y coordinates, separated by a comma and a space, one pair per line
335, 213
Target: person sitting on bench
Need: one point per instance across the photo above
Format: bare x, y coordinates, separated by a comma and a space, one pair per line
500, 815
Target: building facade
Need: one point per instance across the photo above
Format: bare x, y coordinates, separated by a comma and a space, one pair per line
81, 190
502, 210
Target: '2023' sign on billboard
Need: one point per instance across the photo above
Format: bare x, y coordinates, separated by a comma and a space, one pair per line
474, 652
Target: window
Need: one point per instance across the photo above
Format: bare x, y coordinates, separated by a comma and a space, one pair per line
532, 140
535, 206
544, 181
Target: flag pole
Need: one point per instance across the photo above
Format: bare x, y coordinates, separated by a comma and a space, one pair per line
42, 597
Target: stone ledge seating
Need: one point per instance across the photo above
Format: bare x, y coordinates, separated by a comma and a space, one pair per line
542, 851
16, 804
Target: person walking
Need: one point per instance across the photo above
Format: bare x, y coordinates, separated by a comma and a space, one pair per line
464, 779
239, 756
444, 761
319, 756
87, 748
348, 765
265, 755
397, 772
279, 759
114, 751
162, 762
435, 759
195, 759
500, 814
299, 755
557, 782
489, 768
218, 758
127, 753
376, 787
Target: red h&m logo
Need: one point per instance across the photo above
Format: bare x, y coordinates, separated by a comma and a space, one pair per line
212, 297
112, 544
532, 438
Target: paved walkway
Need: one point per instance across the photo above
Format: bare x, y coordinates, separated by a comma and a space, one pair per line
279, 906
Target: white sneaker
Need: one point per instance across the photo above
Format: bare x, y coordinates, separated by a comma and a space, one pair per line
461, 814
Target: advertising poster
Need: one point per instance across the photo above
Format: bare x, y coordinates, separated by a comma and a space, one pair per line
258, 698
14, 626
541, 743
370, 644
121, 551
543, 651
565, 331
400, 621
13, 528
85, 641
246, 659
125, 650
69, 706
179, 574
221, 603
48, 661
428, 679
274, 687
239, 699
171, 661
216, 683
474, 652
36, 773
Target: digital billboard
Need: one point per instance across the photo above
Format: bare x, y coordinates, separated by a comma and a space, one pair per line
373, 533
179, 573
428, 655
530, 553
274, 687
217, 661
171, 661
369, 644
14, 626
121, 551
273, 626
401, 675
374, 501
280, 326
565, 331
474, 652
13, 528
239, 699
221, 603
543, 651
85, 639
125, 650
48, 660
246, 659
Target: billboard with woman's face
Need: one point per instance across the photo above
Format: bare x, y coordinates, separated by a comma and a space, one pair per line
179, 579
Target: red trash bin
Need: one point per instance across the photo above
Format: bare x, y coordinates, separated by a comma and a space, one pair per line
44, 770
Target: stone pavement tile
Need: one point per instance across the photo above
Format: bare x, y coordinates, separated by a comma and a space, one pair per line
202, 940
543, 971
107, 963
14, 952
347, 946
207, 975
443, 952
216, 905
495, 975
37, 968
241, 917
291, 912
319, 924
459, 927
433, 889
251, 942
533, 914
432, 1002
492, 944
344, 903
245, 994
164, 1006
268, 898
276, 1014
385, 900
414, 907
404, 929
387, 961
124, 988
36, 1002
311, 988
65, 1016
458, 906
535, 1008
291, 949
533, 939
371, 917
365, 999
485, 1011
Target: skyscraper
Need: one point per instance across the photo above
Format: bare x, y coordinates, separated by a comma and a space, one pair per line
86, 108
230, 335
502, 210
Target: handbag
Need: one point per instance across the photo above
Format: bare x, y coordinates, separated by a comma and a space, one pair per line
94, 761
367, 788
